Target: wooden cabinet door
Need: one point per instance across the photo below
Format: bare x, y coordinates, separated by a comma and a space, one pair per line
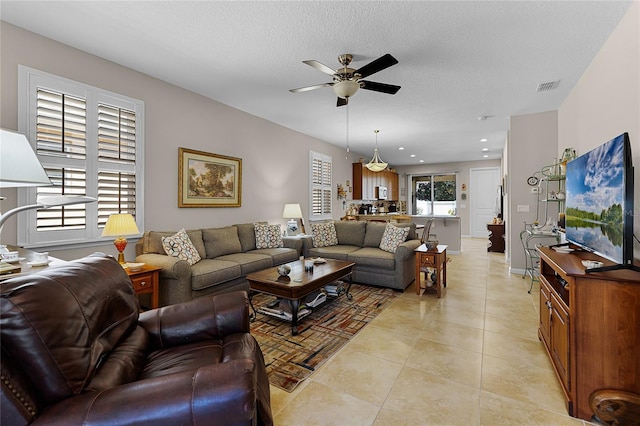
560, 339
545, 314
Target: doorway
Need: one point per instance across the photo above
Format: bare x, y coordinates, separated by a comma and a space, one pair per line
484, 192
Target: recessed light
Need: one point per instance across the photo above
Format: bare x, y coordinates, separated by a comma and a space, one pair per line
483, 140
412, 155
401, 148
486, 156
485, 149
421, 161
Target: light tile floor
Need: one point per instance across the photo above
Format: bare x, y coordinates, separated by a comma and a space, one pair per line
470, 358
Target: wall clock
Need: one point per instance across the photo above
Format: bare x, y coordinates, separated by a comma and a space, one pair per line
533, 181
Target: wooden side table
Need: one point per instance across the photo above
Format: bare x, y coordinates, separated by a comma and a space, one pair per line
146, 281
496, 237
436, 259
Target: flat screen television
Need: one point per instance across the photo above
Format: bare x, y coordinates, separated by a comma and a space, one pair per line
599, 202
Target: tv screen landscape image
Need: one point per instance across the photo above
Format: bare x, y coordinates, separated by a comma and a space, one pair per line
599, 201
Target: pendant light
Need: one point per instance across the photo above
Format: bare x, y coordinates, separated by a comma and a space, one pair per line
376, 164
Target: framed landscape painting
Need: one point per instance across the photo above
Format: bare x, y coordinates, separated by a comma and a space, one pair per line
208, 180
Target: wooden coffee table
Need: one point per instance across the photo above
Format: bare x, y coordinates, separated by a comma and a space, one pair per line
299, 283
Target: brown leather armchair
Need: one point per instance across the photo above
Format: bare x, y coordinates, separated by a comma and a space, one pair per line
75, 350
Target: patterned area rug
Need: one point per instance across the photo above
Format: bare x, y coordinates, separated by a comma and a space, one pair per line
291, 359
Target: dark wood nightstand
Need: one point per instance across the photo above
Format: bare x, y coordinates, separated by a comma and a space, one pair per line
145, 281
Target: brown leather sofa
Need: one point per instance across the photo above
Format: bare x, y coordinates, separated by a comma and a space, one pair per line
75, 350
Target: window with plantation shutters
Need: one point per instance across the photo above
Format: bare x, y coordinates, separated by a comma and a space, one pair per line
90, 142
320, 186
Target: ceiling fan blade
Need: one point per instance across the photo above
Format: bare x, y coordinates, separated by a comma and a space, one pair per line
307, 88
320, 67
342, 101
380, 87
377, 65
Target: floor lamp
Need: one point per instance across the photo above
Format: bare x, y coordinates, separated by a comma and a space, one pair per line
19, 167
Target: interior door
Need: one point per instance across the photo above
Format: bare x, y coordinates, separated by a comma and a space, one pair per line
483, 194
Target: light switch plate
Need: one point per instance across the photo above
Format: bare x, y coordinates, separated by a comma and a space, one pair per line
523, 208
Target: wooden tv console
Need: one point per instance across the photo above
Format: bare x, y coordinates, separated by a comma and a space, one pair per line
590, 326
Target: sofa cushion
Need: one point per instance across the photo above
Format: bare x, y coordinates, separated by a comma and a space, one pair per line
153, 244
249, 262
268, 236
221, 241
375, 230
280, 255
324, 234
375, 257
247, 235
60, 326
393, 237
179, 245
351, 232
210, 272
339, 252
124, 363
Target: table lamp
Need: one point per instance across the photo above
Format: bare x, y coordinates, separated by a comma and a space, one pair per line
293, 212
119, 225
19, 167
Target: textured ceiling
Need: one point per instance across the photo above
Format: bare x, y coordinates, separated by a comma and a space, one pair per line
457, 61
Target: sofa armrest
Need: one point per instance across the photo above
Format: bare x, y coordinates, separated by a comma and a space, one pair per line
293, 242
307, 244
200, 319
223, 393
406, 249
172, 267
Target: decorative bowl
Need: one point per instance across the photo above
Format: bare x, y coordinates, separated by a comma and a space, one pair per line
135, 266
284, 270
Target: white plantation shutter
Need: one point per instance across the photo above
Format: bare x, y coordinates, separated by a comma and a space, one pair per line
321, 188
89, 142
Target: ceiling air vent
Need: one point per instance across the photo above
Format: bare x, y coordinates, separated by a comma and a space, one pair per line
550, 85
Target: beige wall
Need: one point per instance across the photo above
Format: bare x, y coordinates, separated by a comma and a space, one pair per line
462, 168
606, 100
532, 144
274, 159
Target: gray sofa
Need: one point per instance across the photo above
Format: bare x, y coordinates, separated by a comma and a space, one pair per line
358, 242
228, 255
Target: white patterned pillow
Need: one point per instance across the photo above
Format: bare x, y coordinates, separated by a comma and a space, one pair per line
393, 237
179, 245
268, 236
324, 234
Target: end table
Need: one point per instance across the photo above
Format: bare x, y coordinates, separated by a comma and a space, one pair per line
146, 281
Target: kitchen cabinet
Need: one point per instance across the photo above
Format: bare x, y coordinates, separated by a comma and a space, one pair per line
590, 326
365, 182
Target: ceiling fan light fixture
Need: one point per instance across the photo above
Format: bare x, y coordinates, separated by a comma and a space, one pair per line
346, 88
376, 164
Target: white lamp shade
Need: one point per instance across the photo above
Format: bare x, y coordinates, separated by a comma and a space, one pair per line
292, 211
119, 225
345, 89
376, 164
19, 165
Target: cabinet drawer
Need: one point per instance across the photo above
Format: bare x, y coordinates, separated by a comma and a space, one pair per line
142, 281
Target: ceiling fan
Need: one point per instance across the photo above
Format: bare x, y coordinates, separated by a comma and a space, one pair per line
347, 81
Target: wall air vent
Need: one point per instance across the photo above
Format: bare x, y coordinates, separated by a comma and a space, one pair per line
549, 85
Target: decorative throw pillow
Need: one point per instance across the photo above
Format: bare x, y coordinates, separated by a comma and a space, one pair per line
179, 245
324, 234
268, 236
393, 237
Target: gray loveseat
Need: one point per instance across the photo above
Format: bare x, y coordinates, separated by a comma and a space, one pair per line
228, 255
359, 242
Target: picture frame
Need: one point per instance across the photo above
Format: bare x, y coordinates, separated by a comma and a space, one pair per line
208, 180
